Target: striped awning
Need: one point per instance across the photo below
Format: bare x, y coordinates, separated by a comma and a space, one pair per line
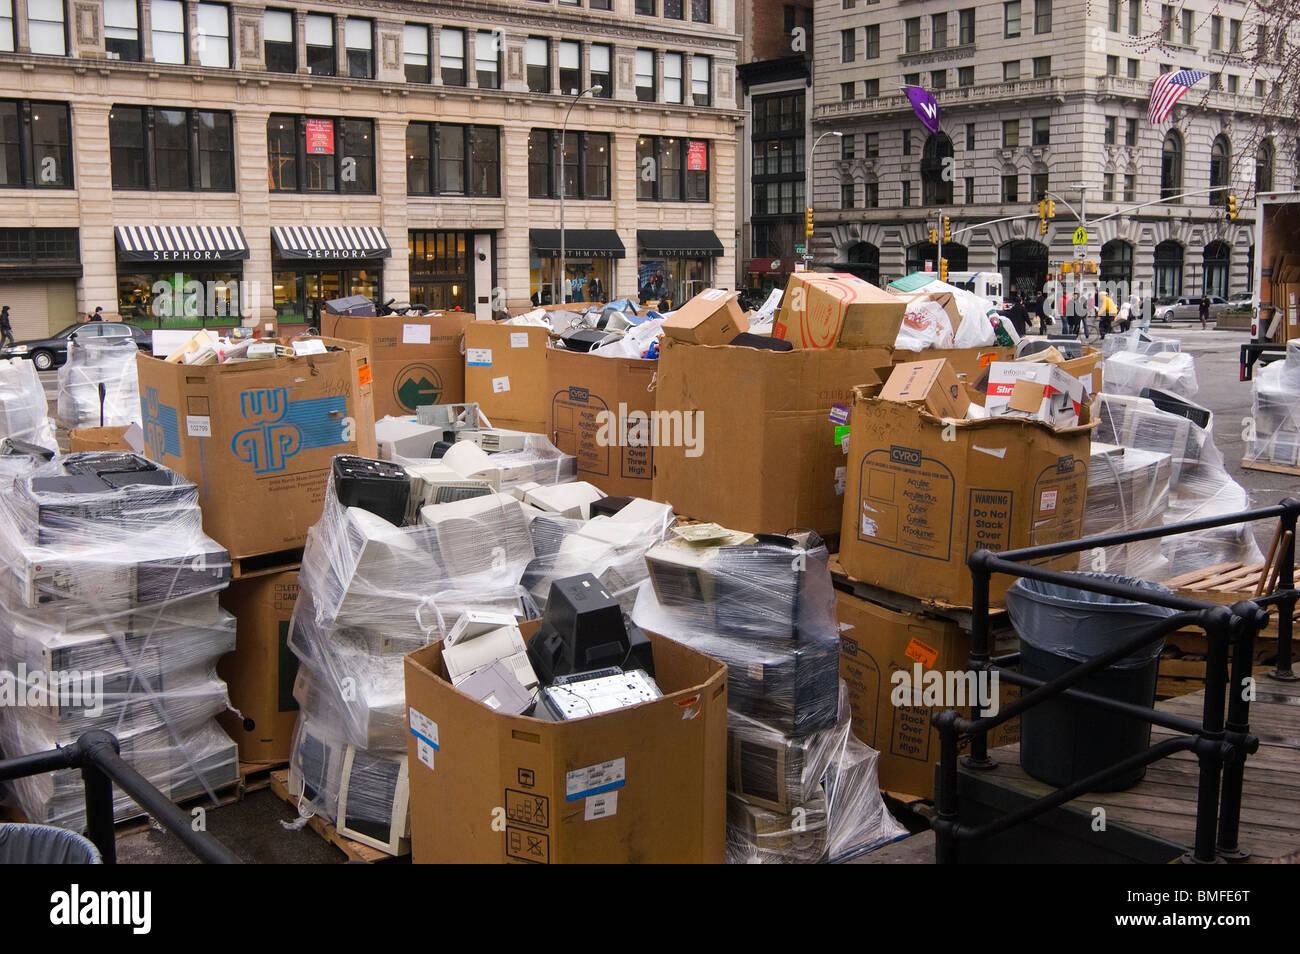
330, 241
181, 243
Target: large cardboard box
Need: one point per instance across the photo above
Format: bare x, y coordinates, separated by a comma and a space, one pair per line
505, 373
259, 674
415, 360
923, 494
257, 437
823, 310
765, 458
875, 643
968, 363
932, 384
713, 317
645, 784
601, 411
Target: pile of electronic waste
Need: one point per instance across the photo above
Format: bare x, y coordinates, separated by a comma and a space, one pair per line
98, 385
24, 411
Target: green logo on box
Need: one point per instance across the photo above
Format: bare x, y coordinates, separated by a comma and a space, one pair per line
417, 384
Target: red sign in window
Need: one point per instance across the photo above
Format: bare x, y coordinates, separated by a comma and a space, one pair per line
697, 156
320, 137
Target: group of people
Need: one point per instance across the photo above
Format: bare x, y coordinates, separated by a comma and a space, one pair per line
1075, 311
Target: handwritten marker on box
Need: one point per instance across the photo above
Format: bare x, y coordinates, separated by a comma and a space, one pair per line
839, 414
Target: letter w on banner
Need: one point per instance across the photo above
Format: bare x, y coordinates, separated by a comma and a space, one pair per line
925, 107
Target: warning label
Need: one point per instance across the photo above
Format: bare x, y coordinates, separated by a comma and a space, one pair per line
989, 520
525, 808
530, 846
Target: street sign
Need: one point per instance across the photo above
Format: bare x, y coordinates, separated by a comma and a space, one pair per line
799, 249
1080, 252
1080, 236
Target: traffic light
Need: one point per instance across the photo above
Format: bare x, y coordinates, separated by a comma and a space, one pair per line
1051, 208
947, 229
1067, 268
1232, 206
808, 222
1042, 226
943, 269
934, 236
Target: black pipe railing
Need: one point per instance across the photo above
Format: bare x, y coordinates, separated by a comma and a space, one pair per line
95, 753
1221, 740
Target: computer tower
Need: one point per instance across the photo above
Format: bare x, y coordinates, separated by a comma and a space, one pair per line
378, 486
584, 628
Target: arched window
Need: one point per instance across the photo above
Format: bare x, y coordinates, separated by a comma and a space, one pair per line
1264, 167
1024, 267
863, 259
922, 252
1169, 269
1117, 265
1216, 261
1220, 169
1171, 166
936, 159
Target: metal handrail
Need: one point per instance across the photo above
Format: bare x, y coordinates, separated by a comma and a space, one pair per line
96, 753
1222, 739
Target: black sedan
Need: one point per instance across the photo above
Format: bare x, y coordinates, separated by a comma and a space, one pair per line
51, 352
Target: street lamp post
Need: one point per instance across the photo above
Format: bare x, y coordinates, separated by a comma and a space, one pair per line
808, 173
594, 90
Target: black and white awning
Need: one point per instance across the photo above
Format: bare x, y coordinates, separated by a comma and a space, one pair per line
181, 243
330, 241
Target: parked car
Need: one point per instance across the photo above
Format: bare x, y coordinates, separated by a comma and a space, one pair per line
1241, 302
51, 352
1188, 308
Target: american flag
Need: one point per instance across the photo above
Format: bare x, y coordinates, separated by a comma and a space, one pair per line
1168, 89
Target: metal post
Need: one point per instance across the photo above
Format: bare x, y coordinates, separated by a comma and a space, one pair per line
563, 137
1286, 582
979, 653
808, 194
946, 813
1217, 630
1238, 724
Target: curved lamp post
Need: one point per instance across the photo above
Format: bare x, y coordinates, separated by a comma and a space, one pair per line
594, 90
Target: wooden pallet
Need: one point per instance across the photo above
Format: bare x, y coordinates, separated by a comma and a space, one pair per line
325, 828
1271, 467
228, 794
1227, 583
256, 776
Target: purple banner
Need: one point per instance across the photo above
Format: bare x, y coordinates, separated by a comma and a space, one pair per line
925, 107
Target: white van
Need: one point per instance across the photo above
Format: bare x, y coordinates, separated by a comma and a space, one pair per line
985, 284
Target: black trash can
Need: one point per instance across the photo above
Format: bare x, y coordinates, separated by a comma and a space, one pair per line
1062, 741
45, 845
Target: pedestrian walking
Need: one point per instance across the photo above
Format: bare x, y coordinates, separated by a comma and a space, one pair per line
98, 314
6, 329
1040, 312
1204, 310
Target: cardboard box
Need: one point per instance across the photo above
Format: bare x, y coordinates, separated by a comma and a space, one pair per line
1037, 388
260, 672
932, 384
505, 373
766, 459
822, 310
415, 360
645, 784
98, 439
257, 437
923, 494
967, 363
713, 317
1290, 305
601, 412
876, 642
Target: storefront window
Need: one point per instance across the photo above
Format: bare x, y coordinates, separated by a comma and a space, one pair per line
588, 280
168, 298
673, 278
441, 277
318, 154
299, 295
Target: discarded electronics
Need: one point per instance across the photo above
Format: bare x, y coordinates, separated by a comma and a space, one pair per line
98, 385
23, 407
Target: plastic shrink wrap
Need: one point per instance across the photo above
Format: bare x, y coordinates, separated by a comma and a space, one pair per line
109, 620
23, 407
1275, 412
92, 362
1128, 372
1128, 489
1138, 342
801, 788
1199, 486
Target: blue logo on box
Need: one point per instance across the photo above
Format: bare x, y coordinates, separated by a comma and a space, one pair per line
162, 432
282, 428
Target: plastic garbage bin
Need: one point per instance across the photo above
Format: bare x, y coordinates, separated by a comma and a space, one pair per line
1061, 740
45, 845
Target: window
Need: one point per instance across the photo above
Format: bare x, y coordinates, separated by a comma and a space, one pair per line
672, 77
911, 79
1042, 67
778, 150
870, 88
1111, 122
907, 142
673, 10
1220, 169
907, 193
936, 175
1112, 15
171, 150
1010, 133
789, 18
280, 50
701, 10
1216, 81
871, 145
912, 35
938, 79
1010, 71
168, 31
1011, 19
586, 164
319, 30
448, 159
1130, 187
645, 76
1234, 83
600, 4
1167, 23
1042, 131
1259, 88
1010, 188
846, 92
7, 26
1264, 167
570, 67
316, 154
1043, 16
1165, 68
1134, 17
846, 195
965, 76
35, 145
1130, 132
121, 29
682, 171
213, 39
1261, 42
1038, 186
873, 41
938, 31
871, 195
487, 60
702, 80
537, 59
970, 135
45, 27
451, 57
848, 143
966, 25
1216, 33
1234, 36
645, 8
359, 41
1187, 28
1171, 166
601, 72
1168, 258
1108, 187
415, 53
1132, 69
969, 184
848, 45
1112, 66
